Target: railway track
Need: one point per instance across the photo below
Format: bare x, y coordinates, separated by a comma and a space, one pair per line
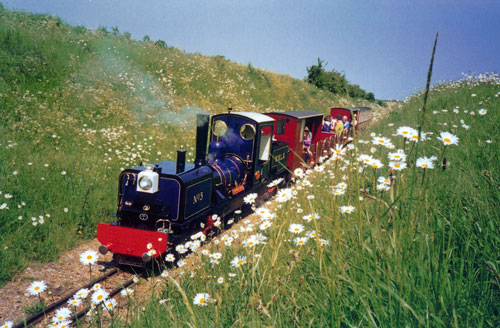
44, 313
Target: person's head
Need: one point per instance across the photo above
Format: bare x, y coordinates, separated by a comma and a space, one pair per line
344, 118
306, 130
339, 117
327, 118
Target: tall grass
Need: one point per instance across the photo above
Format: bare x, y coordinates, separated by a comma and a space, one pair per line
405, 257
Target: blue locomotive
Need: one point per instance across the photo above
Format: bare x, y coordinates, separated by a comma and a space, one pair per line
161, 204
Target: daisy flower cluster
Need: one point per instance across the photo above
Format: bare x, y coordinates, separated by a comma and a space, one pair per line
370, 161
192, 245
382, 141
302, 235
61, 318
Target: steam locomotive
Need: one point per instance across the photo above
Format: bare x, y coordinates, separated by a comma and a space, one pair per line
162, 204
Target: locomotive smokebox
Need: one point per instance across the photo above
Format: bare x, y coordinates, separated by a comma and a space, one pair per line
202, 121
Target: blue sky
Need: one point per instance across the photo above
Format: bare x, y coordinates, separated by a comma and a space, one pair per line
384, 45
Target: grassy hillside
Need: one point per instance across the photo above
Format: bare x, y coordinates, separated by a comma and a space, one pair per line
421, 250
78, 106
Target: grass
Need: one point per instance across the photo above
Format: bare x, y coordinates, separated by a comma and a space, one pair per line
78, 106
424, 253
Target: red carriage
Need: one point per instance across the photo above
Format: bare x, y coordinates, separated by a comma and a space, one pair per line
293, 128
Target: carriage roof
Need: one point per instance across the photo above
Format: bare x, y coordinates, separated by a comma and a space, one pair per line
300, 114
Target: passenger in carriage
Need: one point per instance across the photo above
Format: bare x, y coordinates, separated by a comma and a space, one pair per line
306, 150
333, 123
347, 126
345, 122
339, 126
327, 124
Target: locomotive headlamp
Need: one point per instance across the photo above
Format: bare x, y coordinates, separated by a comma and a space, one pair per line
145, 183
148, 180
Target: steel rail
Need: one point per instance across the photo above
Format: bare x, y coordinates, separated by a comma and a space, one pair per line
113, 293
51, 307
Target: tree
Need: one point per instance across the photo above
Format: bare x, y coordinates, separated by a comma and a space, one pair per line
335, 82
161, 43
315, 74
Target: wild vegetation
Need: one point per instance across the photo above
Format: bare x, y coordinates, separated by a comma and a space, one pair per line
77, 106
398, 229
336, 82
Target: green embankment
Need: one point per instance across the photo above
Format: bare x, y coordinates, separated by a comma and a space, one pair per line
77, 106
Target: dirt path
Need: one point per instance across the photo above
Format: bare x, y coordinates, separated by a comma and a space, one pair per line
62, 276
67, 274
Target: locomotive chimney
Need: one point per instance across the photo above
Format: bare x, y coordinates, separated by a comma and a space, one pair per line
202, 121
181, 160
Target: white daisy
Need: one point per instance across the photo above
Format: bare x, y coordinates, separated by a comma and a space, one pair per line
126, 292
448, 138
397, 165
7, 324
298, 172
170, 257
347, 209
265, 224
300, 241
99, 296
88, 257
384, 180
74, 301
296, 228
406, 131
37, 287
250, 198
61, 314
426, 163
238, 261
201, 299
109, 304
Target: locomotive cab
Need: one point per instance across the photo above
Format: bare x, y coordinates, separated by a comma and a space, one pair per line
250, 138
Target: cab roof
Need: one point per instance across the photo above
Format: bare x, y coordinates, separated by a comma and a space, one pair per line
257, 117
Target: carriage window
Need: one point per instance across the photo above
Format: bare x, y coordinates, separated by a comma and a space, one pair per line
247, 131
265, 143
280, 126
